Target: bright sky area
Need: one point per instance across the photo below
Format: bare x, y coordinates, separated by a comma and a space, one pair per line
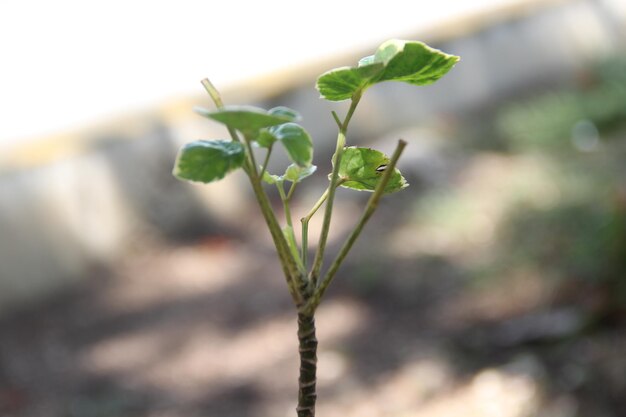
68, 63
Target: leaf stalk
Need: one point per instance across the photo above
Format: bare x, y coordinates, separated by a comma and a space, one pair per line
334, 180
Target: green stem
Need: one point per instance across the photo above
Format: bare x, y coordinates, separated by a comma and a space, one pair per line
305, 244
372, 204
213, 92
341, 142
217, 99
288, 231
305, 226
291, 190
252, 159
293, 247
266, 161
334, 113
292, 272
285, 200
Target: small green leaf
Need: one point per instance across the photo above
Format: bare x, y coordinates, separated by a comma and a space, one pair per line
389, 49
246, 119
362, 168
265, 139
412, 62
206, 161
286, 112
295, 173
270, 178
296, 141
342, 83
366, 60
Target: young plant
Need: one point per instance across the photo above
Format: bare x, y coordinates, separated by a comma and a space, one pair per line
355, 168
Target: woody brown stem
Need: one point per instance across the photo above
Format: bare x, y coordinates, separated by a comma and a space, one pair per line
308, 366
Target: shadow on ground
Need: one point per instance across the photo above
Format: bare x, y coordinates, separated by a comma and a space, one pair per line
207, 329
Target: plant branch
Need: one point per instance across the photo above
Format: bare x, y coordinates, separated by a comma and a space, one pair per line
334, 113
372, 204
292, 274
288, 231
253, 166
292, 189
341, 142
285, 200
293, 247
266, 161
305, 226
217, 99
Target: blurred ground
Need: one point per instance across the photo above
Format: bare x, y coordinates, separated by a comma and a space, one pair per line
207, 329
494, 286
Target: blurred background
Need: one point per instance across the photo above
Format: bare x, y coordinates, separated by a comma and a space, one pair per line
495, 286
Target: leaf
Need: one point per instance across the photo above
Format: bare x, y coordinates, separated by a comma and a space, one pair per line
341, 83
295, 173
296, 141
270, 178
366, 60
412, 62
265, 139
284, 111
246, 119
362, 168
206, 161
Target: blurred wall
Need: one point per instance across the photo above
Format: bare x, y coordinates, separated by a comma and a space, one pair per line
62, 220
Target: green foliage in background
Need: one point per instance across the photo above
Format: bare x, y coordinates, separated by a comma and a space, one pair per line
571, 118
577, 234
